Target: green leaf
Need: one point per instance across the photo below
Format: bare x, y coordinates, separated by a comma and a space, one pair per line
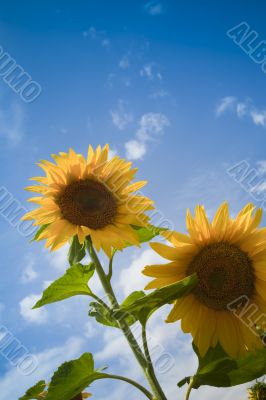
109, 317
73, 377
74, 282
76, 251
34, 392
143, 305
39, 231
216, 368
132, 298
146, 234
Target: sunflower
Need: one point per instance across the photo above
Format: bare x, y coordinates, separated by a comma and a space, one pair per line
229, 257
93, 196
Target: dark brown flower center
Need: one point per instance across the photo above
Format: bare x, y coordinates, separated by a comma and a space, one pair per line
88, 203
225, 274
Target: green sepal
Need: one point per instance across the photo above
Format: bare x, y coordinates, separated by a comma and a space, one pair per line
39, 231
76, 251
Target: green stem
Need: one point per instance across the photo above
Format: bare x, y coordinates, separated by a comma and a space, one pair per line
148, 358
100, 301
154, 384
133, 383
190, 387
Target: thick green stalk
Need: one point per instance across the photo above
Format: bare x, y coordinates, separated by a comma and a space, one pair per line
154, 384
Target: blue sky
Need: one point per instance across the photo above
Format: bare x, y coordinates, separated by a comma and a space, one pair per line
164, 85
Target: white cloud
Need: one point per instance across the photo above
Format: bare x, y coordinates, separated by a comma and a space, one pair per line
46, 284
131, 278
150, 72
58, 259
241, 109
38, 316
150, 126
259, 117
153, 7
13, 384
106, 43
97, 35
227, 103
159, 93
29, 274
112, 153
124, 62
260, 188
135, 150
114, 346
89, 330
11, 124
261, 167
120, 118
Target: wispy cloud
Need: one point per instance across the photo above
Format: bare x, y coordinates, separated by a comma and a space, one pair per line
159, 94
124, 62
98, 35
150, 126
261, 165
153, 7
151, 72
241, 109
225, 104
28, 273
121, 118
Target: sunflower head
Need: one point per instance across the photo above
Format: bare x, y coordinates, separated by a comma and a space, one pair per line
91, 196
229, 257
